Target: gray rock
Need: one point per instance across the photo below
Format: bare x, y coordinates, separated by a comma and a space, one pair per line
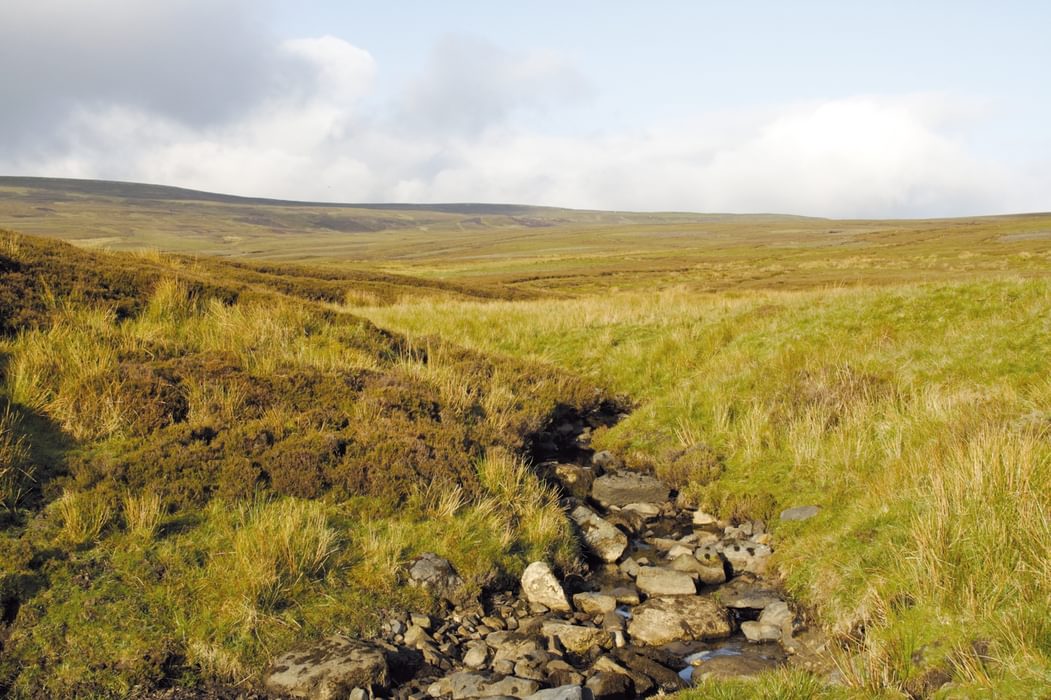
540, 587
747, 557
604, 459
649, 511
622, 488
626, 595
654, 581
779, 615
565, 692
329, 670
577, 639
744, 595
760, 632
438, 576
476, 656
575, 480
465, 685
800, 513
605, 685
662, 620
595, 603
668, 680
630, 567
700, 518
731, 667
602, 538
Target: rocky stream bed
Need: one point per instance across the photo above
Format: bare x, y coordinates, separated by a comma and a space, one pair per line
668, 596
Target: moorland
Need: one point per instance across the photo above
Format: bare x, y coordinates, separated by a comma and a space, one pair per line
228, 423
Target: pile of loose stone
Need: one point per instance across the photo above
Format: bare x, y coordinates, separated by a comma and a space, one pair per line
670, 596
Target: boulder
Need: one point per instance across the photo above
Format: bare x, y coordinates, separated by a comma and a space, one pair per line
622, 488
654, 581
594, 603
800, 513
329, 670
747, 557
663, 620
605, 685
577, 639
575, 480
465, 685
438, 576
732, 667
760, 632
540, 587
565, 692
602, 538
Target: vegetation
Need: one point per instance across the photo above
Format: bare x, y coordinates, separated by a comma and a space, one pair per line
203, 462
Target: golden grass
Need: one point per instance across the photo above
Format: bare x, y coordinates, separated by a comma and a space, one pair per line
143, 513
83, 515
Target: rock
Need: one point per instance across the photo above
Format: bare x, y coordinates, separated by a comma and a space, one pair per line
595, 603
358, 694
625, 595
728, 667
421, 621
700, 518
575, 480
540, 587
800, 513
630, 567
604, 459
760, 632
649, 511
611, 686
662, 620
744, 595
680, 550
476, 656
560, 673
602, 538
663, 544
464, 685
668, 680
622, 488
780, 616
654, 581
415, 636
565, 692
627, 520
438, 576
329, 670
577, 639
747, 557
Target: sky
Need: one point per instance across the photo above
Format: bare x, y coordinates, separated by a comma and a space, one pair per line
840, 109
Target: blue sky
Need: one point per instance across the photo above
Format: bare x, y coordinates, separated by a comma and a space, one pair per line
824, 108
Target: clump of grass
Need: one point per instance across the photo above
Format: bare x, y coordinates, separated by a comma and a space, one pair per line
143, 513
84, 515
16, 470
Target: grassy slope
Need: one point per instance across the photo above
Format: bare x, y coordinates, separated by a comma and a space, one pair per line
893, 372
202, 467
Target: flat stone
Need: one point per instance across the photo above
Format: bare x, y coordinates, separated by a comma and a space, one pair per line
743, 595
540, 587
611, 686
654, 581
747, 557
732, 667
646, 510
476, 656
630, 567
668, 680
760, 632
622, 488
577, 639
663, 620
603, 539
565, 692
700, 518
575, 480
465, 685
800, 513
329, 670
626, 595
594, 603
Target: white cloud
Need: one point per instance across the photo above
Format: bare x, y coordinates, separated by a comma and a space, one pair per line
473, 128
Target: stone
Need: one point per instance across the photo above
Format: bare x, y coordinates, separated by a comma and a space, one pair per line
577, 639
604, 459
611, 686
416, 636
476, 656
760, 632
540, 587
422, 621
329, 670
663, 620
595, 603
668, 680
630, 567
622, 488
565, 692
731, 667
654, 581
602, 538
700, 518
625, 595
628, 520
649, 511
745, 557
358, 694
575, 480
438, 576
777, 614
663, 544
465, 685
680, 550
800, 513
744, 595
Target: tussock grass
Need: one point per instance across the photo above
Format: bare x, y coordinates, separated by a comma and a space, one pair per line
916, 416
83, 515
16, 469
143, 513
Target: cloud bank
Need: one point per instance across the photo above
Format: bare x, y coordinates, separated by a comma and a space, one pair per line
192, 95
